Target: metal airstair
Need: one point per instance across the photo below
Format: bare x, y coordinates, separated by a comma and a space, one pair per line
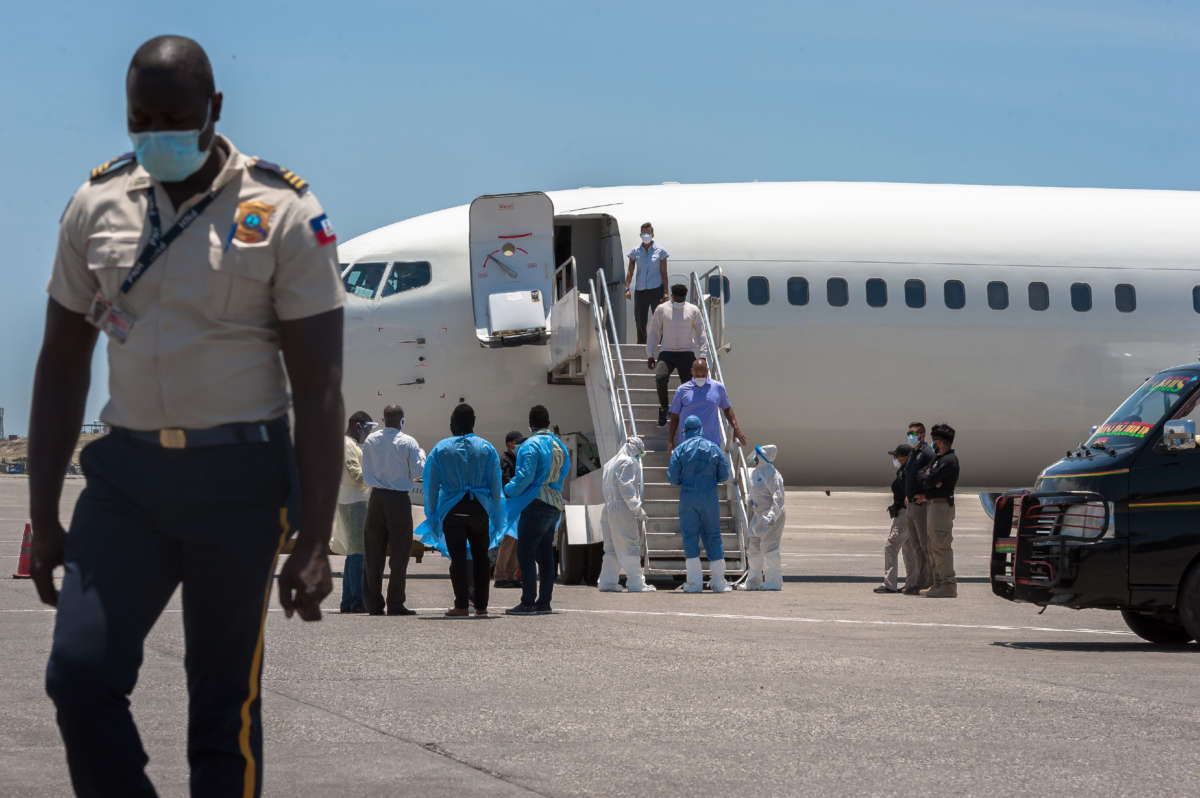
624, 402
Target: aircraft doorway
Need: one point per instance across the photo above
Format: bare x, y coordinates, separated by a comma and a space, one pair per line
595, 243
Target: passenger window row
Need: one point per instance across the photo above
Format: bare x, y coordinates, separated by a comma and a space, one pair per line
954, 293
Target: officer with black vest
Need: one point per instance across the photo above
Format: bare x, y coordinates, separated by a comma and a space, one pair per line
200, 265
920, 576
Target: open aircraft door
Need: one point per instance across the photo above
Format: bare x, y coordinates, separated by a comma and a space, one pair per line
512, 267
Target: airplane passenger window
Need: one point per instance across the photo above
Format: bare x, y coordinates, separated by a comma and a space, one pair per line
876, 292
1196, 299
914, 293
1039, 296
714, 287
997, 295
363, 278
406, 276
797, 290
956, 295
1126, 298
1081, 297
758, 290
837, 291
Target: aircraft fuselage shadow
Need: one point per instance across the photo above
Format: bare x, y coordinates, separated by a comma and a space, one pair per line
1122, 647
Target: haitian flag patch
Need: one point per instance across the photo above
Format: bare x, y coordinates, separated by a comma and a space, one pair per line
323, 230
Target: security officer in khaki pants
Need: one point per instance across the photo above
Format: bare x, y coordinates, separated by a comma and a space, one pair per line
201, 265
938, 481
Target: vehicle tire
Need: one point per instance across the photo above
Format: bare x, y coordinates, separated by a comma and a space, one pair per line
1189, 602
1163, 630
572, 561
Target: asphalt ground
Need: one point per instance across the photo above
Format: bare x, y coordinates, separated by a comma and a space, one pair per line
825, 688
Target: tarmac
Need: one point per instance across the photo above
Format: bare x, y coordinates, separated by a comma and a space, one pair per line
825, 688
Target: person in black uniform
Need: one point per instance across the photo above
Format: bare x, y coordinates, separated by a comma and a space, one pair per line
201, 265
898, 534
938, 481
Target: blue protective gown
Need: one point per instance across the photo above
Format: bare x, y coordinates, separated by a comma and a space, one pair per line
457, 467
698, 465
534, 459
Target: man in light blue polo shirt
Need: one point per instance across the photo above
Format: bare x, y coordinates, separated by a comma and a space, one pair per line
706, 400
650, 288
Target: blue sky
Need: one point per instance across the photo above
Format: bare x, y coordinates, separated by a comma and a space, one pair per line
390, 109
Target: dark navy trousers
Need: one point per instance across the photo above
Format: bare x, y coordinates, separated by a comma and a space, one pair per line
535, 552
150, 520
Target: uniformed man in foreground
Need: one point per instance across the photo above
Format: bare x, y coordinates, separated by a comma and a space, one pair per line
200, 264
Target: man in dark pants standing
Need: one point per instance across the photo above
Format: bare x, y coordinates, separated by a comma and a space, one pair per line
648, 264
535, 493
191, 485
391, 463
463, 506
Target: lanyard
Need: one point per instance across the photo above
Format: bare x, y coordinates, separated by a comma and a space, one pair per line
158, 241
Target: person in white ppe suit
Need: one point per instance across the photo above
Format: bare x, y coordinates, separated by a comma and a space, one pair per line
766, 526
623, 513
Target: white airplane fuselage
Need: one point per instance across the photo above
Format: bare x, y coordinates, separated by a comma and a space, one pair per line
834, 387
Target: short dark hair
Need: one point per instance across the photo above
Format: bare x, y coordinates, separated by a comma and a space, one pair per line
942, 432
647, 224
539, 417
462, 420
393, 415
178, 54
679, 290
916, 424
356, 419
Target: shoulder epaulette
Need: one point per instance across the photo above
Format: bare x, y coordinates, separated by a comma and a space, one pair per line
288, 176
113, 165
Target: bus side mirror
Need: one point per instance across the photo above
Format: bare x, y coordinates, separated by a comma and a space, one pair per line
1179, 435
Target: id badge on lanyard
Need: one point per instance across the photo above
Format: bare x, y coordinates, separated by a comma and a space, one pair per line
111, 317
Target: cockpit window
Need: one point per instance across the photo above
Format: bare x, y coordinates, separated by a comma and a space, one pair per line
363, 279
407, 276
1150, 404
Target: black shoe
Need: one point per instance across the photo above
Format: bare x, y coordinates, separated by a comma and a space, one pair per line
507, 583
911, 591
402, 610
358, 609
375, 612
662, 416
521, 609
885, 589
542, 609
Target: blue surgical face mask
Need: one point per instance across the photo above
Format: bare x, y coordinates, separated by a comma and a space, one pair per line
171, 155
647, 238
912, 439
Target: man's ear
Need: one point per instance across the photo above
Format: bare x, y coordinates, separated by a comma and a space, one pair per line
218, 101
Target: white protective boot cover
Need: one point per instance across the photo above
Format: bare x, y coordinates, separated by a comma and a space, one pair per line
717, 580
772, 557
635, 582
754, 575
695, 576
610, 568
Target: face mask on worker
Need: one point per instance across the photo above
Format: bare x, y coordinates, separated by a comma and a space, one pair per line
700, 381
895, 463
912, 439
172, 155
647, 238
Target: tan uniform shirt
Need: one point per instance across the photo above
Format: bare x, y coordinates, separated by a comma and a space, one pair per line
204, 350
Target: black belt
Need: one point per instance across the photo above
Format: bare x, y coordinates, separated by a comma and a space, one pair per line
224, 435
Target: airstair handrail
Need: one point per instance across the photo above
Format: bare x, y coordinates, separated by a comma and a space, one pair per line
612, 328
730, 444
606, 362
573, 267
720, 270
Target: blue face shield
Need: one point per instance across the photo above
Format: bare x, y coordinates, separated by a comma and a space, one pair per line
171, 155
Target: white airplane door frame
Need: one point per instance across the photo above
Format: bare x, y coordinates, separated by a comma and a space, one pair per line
512, 267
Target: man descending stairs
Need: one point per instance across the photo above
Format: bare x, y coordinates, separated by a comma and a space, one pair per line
664, 542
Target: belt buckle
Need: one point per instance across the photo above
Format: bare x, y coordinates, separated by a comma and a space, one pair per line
172, 438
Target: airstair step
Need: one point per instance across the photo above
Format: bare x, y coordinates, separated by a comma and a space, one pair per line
671, 525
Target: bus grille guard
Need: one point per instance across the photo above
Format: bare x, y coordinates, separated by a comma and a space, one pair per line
1033, 535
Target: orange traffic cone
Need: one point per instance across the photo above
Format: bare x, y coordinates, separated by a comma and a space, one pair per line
23, 562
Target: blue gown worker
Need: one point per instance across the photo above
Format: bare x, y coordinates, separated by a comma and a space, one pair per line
534, 509
698, 465
463, 508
